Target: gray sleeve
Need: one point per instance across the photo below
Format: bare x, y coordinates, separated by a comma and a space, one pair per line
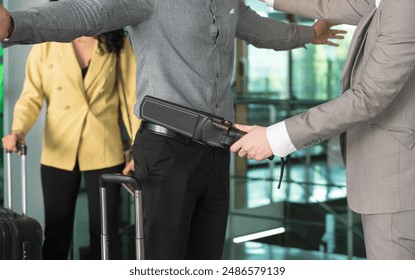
64, 21
268, 33
339, 11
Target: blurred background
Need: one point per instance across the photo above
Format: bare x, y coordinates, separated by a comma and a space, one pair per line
307, 218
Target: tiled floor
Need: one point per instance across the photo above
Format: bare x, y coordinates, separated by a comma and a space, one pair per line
260, 251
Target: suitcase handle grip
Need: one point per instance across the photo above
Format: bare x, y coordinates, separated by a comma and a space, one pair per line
116, 178
22, 148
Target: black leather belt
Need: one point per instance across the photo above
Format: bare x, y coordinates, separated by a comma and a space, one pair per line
161, 130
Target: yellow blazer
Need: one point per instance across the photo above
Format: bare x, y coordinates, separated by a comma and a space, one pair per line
82, 117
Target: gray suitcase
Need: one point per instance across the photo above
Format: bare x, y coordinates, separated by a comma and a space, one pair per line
133, 186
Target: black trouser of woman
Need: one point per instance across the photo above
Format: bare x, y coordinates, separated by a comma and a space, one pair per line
60, 190
185, 197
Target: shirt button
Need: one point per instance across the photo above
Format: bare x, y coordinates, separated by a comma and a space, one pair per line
66, 107
59, 88
50, 66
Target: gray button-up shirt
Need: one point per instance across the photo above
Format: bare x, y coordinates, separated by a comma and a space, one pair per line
184, 48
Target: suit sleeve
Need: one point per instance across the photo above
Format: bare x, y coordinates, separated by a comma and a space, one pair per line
127, 89
28, 106
339, 11
64, 21
390, 65
272, 34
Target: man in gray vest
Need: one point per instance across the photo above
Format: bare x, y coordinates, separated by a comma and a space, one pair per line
185, 54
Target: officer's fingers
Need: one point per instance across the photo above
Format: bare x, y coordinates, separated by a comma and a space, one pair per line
245, 128
242, 153
236, 146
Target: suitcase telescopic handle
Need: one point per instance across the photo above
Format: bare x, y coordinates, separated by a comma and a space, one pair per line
116, 178
133, 186
23, 153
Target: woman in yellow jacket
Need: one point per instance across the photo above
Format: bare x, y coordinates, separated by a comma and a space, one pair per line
86, 84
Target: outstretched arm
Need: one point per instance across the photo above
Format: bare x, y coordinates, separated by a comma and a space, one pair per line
341, 11
64, 21
273, 34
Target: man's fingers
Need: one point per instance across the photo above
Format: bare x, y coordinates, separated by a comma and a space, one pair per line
338, 31
245, 128
236, 146
332, 44
240, 126
129, 168
242, 153
337, 37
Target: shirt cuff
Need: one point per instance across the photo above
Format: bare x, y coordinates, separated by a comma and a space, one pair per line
269, 3
279, 140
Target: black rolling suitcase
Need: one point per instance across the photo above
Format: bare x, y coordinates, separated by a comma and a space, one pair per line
20, 236
133, 186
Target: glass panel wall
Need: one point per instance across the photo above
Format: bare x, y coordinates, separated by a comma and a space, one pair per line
313, 72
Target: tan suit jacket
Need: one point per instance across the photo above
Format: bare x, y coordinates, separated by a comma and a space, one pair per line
82, 122
376, 111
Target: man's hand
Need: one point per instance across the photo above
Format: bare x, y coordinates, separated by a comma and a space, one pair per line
10, 141
129, 168
129, 164
6, 24
254, 144
323, 32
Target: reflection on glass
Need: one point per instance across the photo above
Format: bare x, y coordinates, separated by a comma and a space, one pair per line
317, 70
305, 73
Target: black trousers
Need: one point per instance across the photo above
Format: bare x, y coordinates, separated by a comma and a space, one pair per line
60, 190
185, 197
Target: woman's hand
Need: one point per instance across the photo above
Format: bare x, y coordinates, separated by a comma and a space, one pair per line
10, 141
